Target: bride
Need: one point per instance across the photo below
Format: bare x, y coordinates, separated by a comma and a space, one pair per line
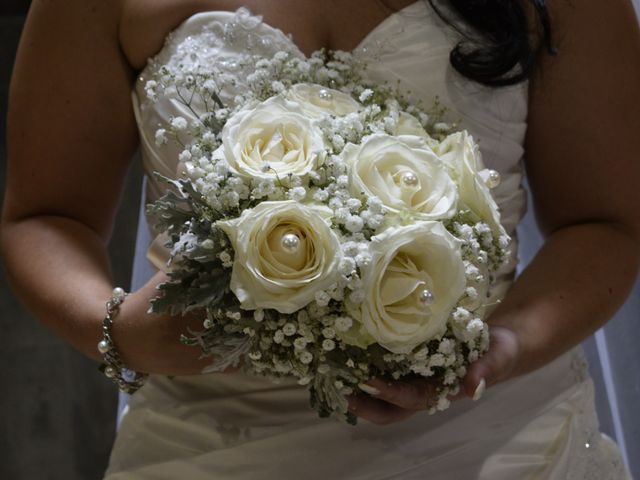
73, 130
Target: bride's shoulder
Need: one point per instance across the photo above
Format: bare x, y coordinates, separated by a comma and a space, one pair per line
144, 24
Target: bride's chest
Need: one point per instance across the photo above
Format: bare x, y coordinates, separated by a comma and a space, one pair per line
333, 24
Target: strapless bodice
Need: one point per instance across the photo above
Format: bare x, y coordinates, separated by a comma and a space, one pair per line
411, 48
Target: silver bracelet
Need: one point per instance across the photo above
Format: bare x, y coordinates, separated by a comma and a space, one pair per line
128, 381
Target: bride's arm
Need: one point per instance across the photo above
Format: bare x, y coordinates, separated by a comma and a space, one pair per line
584, 170
71, 135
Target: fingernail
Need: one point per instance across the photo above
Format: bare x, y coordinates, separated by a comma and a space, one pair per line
477, 395
368, 389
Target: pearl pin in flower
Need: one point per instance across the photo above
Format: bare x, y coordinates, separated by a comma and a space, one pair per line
290, 242
426, 298
325, 94
409, 179
493, 180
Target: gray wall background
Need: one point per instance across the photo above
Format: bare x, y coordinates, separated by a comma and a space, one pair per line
57, 412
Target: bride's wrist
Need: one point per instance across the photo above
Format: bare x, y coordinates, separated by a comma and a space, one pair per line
114, 367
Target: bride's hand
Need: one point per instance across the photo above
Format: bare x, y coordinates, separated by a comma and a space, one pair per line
151, 343
387, 402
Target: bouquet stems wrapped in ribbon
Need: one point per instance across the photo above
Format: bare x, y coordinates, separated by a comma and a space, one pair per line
327, 229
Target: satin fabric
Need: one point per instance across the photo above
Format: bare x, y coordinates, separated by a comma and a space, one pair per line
538, 426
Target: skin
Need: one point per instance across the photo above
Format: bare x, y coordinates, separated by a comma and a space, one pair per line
69, 100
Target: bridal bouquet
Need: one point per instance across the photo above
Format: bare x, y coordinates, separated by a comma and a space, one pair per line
330, 231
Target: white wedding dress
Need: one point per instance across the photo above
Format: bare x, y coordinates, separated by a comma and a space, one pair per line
539, 426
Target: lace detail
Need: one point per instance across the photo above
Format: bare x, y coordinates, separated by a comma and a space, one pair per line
594, 456
227, 43
224, 45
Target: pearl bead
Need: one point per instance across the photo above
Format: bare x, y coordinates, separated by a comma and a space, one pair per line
110, 371
494, 179
103, 346
118, 292
290, 242
426, 298
409, 179
325, 94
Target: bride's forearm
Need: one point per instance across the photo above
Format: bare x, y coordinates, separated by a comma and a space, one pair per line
576, 282
59, 269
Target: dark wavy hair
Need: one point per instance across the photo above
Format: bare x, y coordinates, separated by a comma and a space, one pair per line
497, 48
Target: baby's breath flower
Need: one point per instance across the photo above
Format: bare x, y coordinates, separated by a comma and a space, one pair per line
328, 332
375, 204
278, 337
460, 314
277, 86
363, 259
475, 327
342, 181
321, 196
297, 194
300, 343
226, 259
338, 142
347, 266
161, 137
375, 221
289, 329
365, 95
322, 298
328, 345
342, 324
305, 357
436, 360
150, 90
472, 293
354, 223
179, 123
354, 204
446, 346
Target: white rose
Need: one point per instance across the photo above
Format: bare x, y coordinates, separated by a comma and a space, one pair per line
269, 274
404, 173
462, 156
272, 140
316, 100
406, 263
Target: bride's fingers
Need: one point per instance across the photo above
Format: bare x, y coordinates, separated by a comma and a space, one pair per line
410, 395
495, 365
377, 411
